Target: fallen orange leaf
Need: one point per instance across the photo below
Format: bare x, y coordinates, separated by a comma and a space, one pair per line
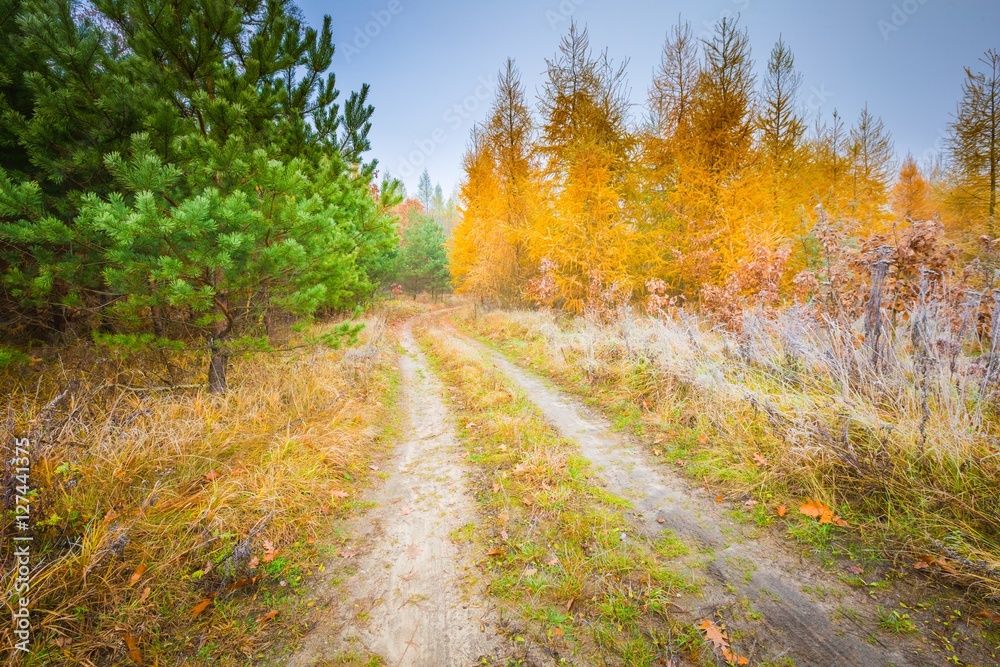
269, 551
145, 594
337, 493
782, 510
988, 616
735, 658
137, 575
133, 648
821, 512
211, 476
714, 634
200, 607
813, 508
926, 561
269, 616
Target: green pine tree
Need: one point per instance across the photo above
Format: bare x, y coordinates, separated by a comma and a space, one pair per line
245, 192
423, 262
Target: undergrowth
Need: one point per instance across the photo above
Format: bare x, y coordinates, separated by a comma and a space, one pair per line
560, 552
173, 526
903, 449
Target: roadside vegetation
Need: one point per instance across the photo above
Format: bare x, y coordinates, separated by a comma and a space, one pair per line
175, 526
790, 411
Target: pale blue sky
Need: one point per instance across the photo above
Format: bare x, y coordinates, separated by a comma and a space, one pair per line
431, 64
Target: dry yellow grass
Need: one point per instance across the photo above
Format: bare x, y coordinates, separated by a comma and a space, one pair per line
149, 501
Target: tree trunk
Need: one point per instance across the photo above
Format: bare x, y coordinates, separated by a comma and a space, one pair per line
217, 368
158, 320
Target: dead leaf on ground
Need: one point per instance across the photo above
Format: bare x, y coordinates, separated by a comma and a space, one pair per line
137, 575
504, 535
254, 562
530, 571
782, 510
661, 521
552, 562
496, 487
132, 642
735, 658
145, 594
200, 607
821, 512
211, 476
268, 616
528, 501
988, 616
760, 460
244, 582
926, 561
269, 551
348, 553
337, 493
405, 510
714, 634
413, 551
495, 552
854, 569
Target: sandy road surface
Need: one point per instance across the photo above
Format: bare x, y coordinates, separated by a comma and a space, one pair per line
410, 601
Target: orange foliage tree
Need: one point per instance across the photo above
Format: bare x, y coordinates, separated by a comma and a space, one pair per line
719, 192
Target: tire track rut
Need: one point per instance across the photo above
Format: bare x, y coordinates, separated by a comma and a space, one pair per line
410, 600
761, 570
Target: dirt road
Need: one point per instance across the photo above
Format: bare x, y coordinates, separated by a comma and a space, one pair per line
761, 571
411, 601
